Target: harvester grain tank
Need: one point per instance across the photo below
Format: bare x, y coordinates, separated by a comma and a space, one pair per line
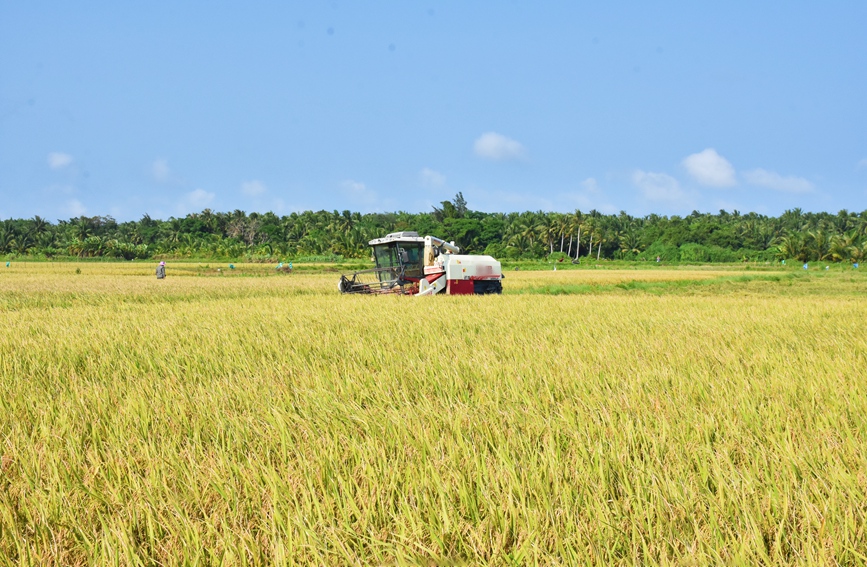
409, 264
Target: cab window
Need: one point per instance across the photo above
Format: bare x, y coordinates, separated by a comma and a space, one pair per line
412, 258
386, 256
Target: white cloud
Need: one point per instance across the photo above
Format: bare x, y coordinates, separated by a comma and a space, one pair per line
588, 197
497, 147
658, 186
709, 168
160, 170
431, 178
253, 188
358, 191
75, 208
199, 198
59, 160
589, 185
773, 180
354, 186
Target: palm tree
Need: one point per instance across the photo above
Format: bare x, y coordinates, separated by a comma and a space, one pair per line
603, 237
82, 228
792, 246
563, 223
75, 247
520, 242
630, 243
843, 245
590, 224
819, 244
528, 231
858, 251
45, 242
22, 243
39, 225
549, 230
7, 240
172, 230
576, 222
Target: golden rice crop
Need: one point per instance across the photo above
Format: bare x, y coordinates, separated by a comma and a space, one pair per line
261, 418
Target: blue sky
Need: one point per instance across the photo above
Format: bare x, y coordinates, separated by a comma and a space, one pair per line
166, 108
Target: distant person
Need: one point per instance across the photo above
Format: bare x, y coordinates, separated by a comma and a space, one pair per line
161, 271
855, 265
806, 266
290, 267
657, 259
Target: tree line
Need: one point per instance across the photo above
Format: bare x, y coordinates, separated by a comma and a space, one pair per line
697, 237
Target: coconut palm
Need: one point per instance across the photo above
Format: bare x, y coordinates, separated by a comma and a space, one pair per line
576, 223
602, 237
39, 225
819, 244
520, 242
82, 228
562, 222
22, 243
549, 229
792, 246
591, 226
843, 245
630, 243
528, 232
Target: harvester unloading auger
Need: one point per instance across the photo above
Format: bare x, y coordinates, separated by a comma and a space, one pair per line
408, 264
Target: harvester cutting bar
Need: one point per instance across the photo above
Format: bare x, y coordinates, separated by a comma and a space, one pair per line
376, 280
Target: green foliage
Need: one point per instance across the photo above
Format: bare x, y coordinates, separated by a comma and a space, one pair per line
495, 249
236, 235
665, 252
558, 257
698, 253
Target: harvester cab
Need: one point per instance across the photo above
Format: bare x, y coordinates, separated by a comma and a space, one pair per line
409, 264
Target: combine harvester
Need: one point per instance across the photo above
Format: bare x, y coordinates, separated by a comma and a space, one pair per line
407, 264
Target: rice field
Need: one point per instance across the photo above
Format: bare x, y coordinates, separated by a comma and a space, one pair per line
246, 417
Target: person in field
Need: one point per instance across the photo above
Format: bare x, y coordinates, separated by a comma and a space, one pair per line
161, 271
